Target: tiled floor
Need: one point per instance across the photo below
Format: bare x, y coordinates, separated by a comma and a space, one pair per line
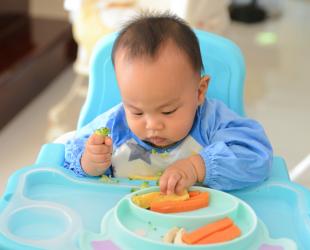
277, 94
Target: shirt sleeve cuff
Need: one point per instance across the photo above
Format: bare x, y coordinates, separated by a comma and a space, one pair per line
78, 170
210, 177
213, 169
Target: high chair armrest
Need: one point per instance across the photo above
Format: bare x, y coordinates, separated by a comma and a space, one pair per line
51, 155
279, 169
65, 137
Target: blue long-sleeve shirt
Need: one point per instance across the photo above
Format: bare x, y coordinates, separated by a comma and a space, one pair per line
235, 150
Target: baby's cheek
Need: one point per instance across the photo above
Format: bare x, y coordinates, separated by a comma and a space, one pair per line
136, 127
181, 129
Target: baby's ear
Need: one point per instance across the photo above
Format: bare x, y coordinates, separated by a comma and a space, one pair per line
202, 89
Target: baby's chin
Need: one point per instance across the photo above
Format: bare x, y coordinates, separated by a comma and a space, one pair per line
162, 146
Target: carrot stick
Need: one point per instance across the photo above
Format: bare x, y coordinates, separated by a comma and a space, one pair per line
193, 193
196, 202
227, 234
207, 230
202, 195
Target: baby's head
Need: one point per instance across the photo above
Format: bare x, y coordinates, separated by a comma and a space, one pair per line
158, 67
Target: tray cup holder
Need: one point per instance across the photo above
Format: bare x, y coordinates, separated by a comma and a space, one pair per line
38, 224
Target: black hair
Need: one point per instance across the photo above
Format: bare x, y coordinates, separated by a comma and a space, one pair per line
145, 34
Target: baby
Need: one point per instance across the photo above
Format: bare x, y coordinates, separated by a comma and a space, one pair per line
165, 123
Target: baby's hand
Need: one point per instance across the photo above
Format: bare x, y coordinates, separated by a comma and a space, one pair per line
182, 174
97, 155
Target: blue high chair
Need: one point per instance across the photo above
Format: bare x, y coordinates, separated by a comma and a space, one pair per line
46, 207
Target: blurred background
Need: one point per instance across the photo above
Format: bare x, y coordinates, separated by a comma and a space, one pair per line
45, 48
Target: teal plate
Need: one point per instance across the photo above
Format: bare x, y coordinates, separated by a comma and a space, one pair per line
128, 226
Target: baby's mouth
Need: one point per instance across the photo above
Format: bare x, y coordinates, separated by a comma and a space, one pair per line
156, 140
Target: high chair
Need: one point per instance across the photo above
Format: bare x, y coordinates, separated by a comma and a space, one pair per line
46, 207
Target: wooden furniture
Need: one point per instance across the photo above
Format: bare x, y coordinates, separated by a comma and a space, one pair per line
32, 52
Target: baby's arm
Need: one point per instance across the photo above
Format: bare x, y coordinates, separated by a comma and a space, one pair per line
237, 153
75, 148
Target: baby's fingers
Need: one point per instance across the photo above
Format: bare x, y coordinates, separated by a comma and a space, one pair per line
95, 139
100, 158
173, 180
163, 181
169, 182
108, 141
99, 149
181, 185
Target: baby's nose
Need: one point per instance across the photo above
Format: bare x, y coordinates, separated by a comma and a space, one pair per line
154, 124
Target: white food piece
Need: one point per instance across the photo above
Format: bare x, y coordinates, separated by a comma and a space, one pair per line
178, 237
170, 235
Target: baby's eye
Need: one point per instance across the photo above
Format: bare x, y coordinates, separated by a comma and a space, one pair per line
169, 112
138, 113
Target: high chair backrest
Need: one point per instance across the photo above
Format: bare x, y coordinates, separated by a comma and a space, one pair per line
222, 61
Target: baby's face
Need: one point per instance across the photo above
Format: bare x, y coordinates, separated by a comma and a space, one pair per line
160, 95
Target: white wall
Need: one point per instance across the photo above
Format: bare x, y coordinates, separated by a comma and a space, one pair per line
55, 8
48, 9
